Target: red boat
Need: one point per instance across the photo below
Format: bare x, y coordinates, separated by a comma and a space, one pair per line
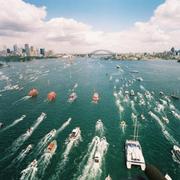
95, 97
51, 96
33, 92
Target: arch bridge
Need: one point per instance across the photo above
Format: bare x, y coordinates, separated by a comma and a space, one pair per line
102, 52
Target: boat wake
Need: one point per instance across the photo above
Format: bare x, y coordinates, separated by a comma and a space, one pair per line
19, 141
93, 167
65, 124
163, 128
22, 99
29, 173
70, 144
43, 163
14, 123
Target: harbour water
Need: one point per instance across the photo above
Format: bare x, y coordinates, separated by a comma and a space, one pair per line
86, 76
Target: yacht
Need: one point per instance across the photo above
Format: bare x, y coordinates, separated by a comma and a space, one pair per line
75, 133
134, 155
72, 97
95, 97
176, 152
51, 147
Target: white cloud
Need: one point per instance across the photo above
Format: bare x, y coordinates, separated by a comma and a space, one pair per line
21, 22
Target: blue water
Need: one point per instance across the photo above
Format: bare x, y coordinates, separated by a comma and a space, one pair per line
111, 83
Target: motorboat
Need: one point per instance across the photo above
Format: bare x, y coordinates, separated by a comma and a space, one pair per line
75, 133
134, 154
139, 79
51, 96
29, 131
123, 124
97, 157
33, 92
126, 92
1, 125
33, 164
161, 93
108, 177
176, 152
51, 134
174, 97
118, 66
142, 117
51, 147
95, 97
28, 148
132, 92
167, 177
166, 120
72, 97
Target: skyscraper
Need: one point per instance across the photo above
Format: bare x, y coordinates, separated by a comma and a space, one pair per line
27, 50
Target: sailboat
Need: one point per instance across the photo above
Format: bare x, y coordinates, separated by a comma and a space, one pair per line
134, 154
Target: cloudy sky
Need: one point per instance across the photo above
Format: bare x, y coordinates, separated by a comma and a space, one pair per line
87, 25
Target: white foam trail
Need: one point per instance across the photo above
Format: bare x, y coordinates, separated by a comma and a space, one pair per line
133, 117
20, 140
133, 106
92, 170
22, 99
176, 115
29, 173
100, 128
14, 123
163, 128
65, 124
43, 163
70, 144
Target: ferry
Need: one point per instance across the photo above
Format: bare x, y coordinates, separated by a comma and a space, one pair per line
134, 154
72, 97
51, 147
95, 97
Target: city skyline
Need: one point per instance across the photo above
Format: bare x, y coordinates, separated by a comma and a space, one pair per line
84, 27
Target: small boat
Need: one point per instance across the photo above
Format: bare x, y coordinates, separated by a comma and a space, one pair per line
33, 164
108, 177
166, 120
132, 92
33, 92
175, 97
74, 134
51, 134
118, 66
1, 125
176, 152
29, 131
29, 147
95, 97
97, 157
126, 92
161, 93
167, 177
142, 117
134, 71
51, 147
123, 124
139, 79
51, 96
72, 97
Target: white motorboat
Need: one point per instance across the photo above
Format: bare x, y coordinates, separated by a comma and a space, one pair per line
134, 155
51, 134
72, 97
166, 120
132, 92
139, 79
142, 117
176, 152
75, 133
108, 177
29, 147
123, 124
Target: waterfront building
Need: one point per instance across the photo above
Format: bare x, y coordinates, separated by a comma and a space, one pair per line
42, 52
27, 50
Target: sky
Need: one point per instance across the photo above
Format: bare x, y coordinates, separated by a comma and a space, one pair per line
80, 26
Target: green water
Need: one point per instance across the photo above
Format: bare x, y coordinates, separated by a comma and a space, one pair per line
90, 75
